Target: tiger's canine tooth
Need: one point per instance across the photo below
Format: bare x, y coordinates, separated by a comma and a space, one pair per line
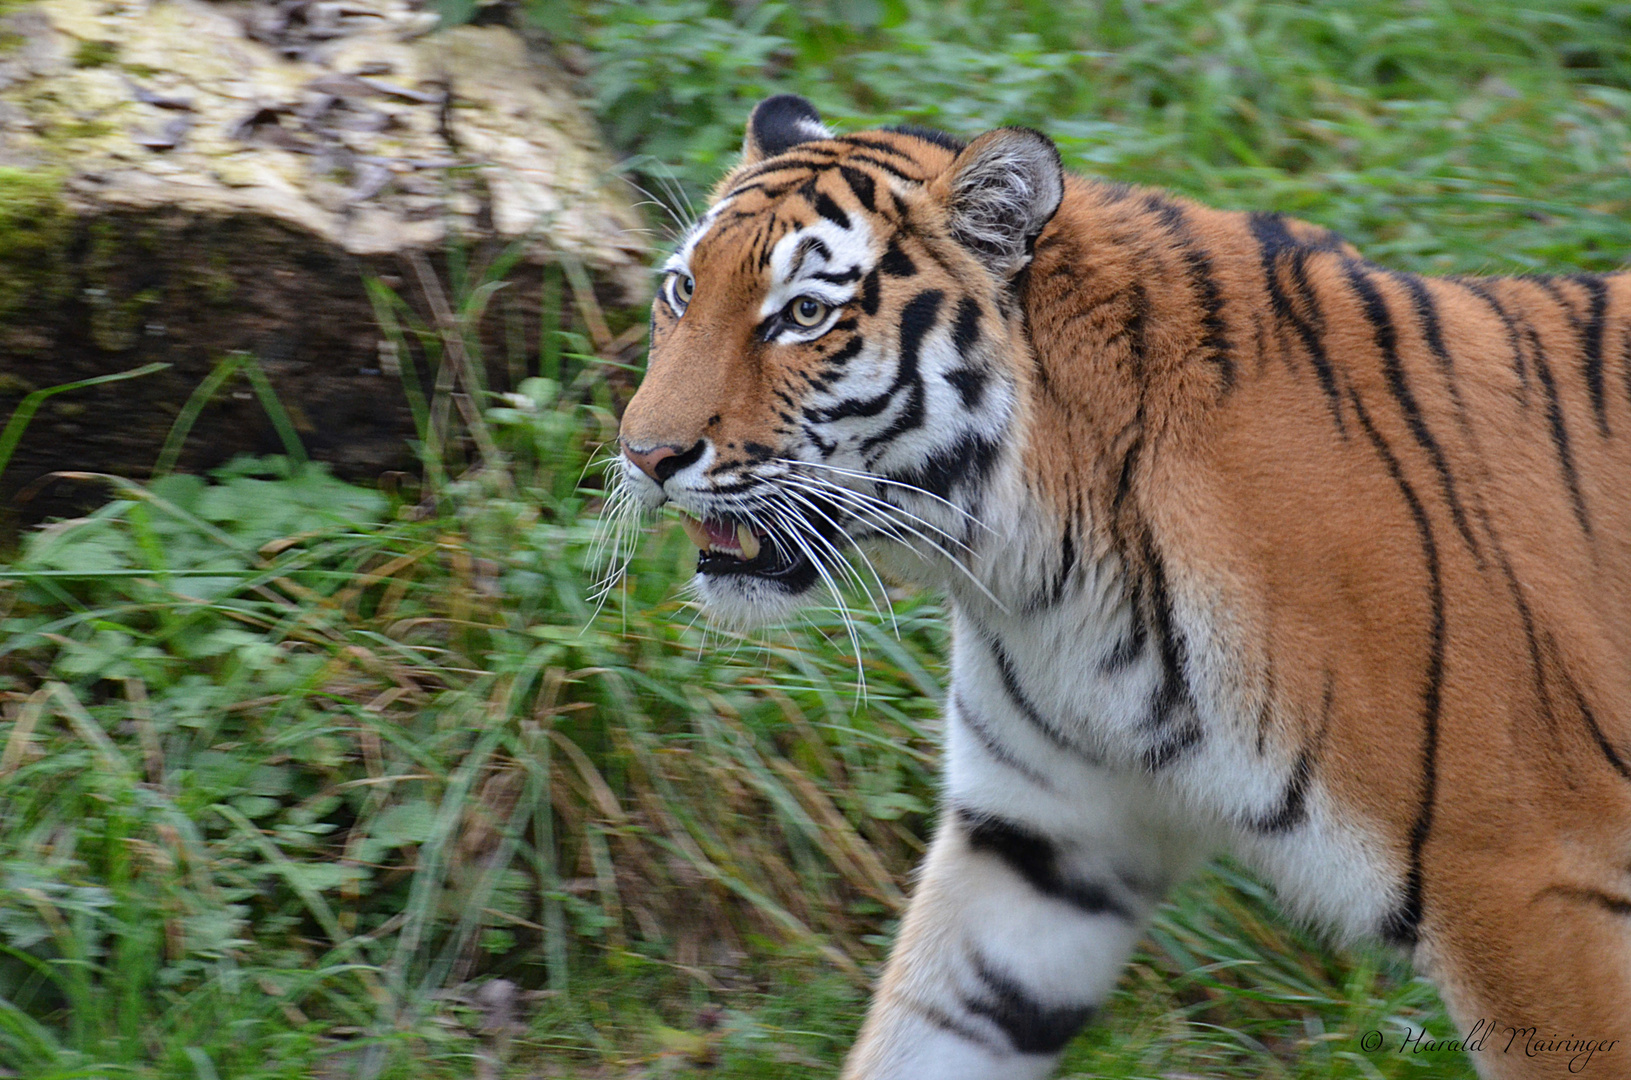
749, 542
696, 531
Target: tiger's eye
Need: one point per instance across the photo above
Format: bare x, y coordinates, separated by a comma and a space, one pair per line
807, 311
684, 285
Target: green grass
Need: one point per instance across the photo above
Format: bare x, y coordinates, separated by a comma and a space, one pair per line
1442, 134
293, 773
284, 759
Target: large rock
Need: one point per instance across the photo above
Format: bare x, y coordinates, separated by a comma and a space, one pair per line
180, 179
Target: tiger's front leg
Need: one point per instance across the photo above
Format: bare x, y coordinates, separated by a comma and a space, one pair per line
1033, 894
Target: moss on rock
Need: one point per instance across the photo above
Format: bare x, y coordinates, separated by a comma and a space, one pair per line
35, 227
95, 54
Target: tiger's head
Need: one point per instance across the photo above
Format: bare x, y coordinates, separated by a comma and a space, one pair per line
836, 353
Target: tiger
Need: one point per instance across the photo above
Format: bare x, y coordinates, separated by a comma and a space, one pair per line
1248, 545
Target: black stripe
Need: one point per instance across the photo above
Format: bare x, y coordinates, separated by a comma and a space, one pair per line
844, 354
1215, 347
1625, 362
766, 240
1129, 467
970, 385
956, 273
945, 1023
1513, 340
969, 381
917, 318
1401, 925
802, 161
1173, 746
1560, 434
1591, 342
1133, 433
895, 262
1616, 905
1171, 720
1035, 858
725, 223
1560, 442
1023, 704
1549, 283
1128, 648
1099, 312
891, 169
869, 292
987, 738
1426, 307
1134, 328
809, 244
1386, 336
1275, 241
739, 487
1531, 637
966, 330
1031, 1026
966, 462
861, 186
1293, 808
771, 191
1427, 313
827, 208
1593, 373
841, 278
825, 447
770, 326
879, 145
1603, 744
1067, 562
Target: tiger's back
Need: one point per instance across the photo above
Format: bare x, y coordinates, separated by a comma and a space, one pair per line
1250, 544
1413, 497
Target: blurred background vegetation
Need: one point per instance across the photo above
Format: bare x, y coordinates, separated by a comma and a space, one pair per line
300, 778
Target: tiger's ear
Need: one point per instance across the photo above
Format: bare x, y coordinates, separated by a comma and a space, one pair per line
780, 123
999, 194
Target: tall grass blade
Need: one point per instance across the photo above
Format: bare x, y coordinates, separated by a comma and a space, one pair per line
13, 433
275, 412
182, 426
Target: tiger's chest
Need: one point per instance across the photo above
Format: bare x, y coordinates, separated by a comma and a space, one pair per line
1050, 703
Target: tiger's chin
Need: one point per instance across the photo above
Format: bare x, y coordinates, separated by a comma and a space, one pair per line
743, 603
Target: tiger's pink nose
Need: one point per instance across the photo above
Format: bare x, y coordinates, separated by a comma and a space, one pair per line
659, 463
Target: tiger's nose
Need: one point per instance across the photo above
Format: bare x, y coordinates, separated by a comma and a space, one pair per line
661, 462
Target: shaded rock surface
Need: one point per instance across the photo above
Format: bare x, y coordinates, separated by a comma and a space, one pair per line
180, 179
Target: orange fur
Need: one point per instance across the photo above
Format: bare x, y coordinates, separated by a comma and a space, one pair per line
1526, 889
1411, 497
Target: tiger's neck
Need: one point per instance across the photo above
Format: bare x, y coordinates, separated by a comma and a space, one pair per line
1127, 344
1123, 320
1131, 349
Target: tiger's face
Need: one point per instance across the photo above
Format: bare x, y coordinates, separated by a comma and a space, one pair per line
833, 353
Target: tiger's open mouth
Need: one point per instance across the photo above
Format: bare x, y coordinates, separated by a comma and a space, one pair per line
728, 546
